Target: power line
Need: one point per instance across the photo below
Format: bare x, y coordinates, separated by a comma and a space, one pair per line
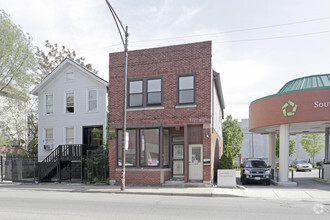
93, 52
239, 30
278, 37
237, 41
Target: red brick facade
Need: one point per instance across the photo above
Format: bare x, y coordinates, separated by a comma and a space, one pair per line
167, 63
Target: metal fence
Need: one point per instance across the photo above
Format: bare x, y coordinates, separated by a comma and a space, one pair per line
18, 169
96, 165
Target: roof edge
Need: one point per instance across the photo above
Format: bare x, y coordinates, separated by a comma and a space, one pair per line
278, 94
65, 61
218, 86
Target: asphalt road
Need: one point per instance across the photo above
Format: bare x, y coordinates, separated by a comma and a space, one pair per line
30, 204
304, 179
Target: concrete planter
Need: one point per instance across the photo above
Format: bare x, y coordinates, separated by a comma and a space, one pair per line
227, 178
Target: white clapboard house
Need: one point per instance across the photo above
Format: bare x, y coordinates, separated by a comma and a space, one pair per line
72, 101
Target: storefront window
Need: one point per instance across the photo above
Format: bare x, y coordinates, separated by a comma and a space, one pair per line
166, 147
149, 147
131, 152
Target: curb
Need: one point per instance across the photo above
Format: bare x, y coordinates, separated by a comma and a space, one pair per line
241, 187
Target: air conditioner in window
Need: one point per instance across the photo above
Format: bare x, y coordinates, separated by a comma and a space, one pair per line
48, 146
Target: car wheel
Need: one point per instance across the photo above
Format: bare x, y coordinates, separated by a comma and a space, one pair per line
267, 182
310, 170
243, 181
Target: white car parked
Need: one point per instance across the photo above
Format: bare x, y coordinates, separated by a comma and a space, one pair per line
302, 165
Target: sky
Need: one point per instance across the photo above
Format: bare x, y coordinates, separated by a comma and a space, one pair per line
257, 45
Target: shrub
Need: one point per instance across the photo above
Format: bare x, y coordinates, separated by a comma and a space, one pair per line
226, 161
319, 164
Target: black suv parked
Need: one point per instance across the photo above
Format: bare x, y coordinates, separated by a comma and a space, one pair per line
255, 170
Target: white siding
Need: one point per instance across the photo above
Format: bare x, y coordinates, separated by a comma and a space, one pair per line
60, 120
217, 113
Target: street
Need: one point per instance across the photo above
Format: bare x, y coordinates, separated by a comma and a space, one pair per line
304, 179
30, 204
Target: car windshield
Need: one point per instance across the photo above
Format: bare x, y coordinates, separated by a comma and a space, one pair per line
256, 164
301, 162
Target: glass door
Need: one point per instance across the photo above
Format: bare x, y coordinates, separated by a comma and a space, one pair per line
195, 162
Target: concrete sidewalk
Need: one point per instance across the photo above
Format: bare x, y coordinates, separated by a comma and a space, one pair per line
296, 194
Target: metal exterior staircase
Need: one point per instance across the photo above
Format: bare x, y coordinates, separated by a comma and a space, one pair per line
59, 159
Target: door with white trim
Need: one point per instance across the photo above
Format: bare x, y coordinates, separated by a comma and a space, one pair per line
196, 162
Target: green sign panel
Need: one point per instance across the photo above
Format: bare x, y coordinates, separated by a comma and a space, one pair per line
288, 104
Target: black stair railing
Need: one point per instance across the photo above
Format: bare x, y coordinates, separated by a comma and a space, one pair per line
52, 163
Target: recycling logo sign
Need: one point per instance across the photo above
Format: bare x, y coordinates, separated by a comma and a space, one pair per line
288, 106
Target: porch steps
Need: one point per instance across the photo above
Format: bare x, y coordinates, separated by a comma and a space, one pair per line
181, 183
173, 183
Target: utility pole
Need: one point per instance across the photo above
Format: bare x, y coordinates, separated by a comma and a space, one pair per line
121, 29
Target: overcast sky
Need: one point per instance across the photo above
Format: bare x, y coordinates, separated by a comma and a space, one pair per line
258, 45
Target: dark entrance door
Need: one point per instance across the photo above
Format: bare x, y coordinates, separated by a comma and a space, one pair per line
89, 138
178, 160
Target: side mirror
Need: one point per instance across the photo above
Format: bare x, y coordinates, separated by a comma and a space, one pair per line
269, 166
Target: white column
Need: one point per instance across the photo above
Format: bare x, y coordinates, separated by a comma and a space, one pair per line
271, 150
284, 152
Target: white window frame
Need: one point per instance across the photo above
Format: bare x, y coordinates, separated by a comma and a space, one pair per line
67, 76
65, 135
45, 104
65, 102
49, 141
97, 100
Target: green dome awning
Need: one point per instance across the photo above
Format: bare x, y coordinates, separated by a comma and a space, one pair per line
306, 83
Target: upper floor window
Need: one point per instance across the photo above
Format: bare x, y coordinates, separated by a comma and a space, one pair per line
49, 104
69, 107
92, 100
154, 91
69, 76
135, 93
186, 89
146, 92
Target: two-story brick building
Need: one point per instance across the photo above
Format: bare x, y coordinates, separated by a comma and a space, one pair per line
174, 113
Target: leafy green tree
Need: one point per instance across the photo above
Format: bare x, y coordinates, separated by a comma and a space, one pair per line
17, 76
53, 54
226, 161
232, 136
313, 144
292, 146
16, 57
